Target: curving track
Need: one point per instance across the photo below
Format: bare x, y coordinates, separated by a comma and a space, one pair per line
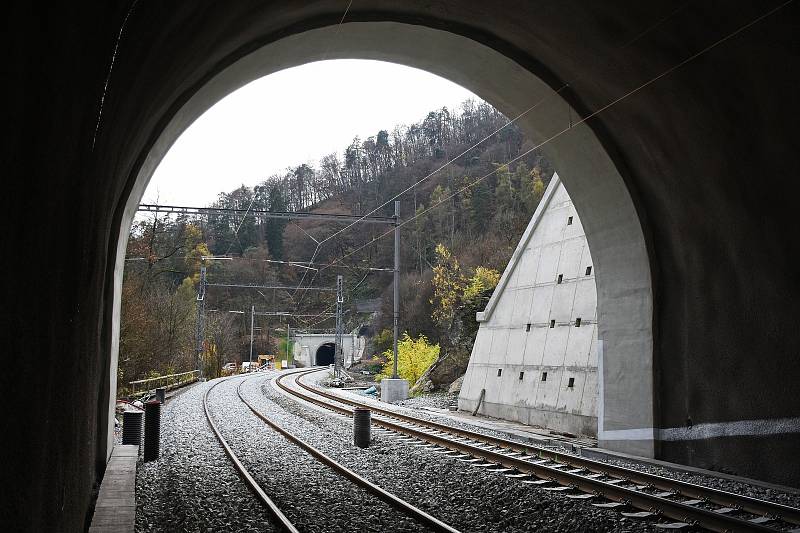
422, 517
687, 504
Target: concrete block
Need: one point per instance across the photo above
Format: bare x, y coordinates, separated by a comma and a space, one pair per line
497, 353
528, 267
569, 398
534, 345
589, 399
541, 302
394, 390
522, 306
483, 343
515, 354
556, 345
570, 259
579, 345
548, 263
563, 300
585, 301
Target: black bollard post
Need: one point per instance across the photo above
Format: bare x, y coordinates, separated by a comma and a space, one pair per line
361, 427
132, 427
161, 395
152, 429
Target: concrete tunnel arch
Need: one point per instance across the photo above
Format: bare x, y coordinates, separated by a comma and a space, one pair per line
612, 224
707, 157
325, 354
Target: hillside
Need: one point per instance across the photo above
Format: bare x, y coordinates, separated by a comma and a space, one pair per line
455, 192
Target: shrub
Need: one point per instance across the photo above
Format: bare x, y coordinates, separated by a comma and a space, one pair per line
415, 356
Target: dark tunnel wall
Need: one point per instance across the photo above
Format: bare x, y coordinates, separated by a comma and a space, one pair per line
709, 154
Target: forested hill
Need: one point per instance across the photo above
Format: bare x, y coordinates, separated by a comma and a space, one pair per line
478, 210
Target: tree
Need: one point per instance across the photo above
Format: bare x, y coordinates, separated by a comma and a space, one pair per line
448, 286
531, 188
481, 206
504, 194
483, 280
414, 357
276, 226
441, 214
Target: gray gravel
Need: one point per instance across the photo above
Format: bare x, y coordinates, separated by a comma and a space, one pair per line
433, 400
721, 483
312, 496
192, 486
467, 498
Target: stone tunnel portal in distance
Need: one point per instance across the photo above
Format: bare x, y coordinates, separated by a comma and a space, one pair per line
325, 354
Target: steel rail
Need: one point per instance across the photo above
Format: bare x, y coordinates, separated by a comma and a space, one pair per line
382, 494
719, 497
284, 522
688, 514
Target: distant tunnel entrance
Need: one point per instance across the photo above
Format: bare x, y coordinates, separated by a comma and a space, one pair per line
325, 354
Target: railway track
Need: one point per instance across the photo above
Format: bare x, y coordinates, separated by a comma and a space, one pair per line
280, 518
606, 485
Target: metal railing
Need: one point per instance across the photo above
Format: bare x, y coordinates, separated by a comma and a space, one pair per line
169, 381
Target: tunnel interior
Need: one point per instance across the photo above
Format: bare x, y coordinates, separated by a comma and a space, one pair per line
325, 354
689, 204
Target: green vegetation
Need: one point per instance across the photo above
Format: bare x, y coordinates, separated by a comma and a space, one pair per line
414, 357
469, 217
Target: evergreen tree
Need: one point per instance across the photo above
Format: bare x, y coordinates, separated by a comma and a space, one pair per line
276, 226
504, 194
481, 206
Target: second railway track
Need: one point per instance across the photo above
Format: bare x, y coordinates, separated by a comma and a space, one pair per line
281, 520
611, 486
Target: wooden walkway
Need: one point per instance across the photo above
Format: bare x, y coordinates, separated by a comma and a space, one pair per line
116, 504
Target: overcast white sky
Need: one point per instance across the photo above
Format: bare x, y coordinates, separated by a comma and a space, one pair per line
291, 117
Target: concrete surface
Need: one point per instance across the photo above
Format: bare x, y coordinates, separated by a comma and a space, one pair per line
394, 390
522, 363
685, 181
307, 345
115, 509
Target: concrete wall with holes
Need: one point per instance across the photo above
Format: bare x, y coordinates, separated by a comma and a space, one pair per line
535, 355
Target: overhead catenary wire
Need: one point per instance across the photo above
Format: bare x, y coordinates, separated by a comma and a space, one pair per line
512, 121
636, 38
444, 165
572, 125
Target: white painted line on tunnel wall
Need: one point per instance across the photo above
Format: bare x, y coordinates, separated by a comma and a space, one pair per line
740, 428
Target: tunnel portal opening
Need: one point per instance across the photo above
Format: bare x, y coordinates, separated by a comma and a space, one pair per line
325, 354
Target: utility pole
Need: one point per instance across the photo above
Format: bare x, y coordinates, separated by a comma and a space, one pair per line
338, 356
201, 307
287, 341
395, 388
396, 283
252, 317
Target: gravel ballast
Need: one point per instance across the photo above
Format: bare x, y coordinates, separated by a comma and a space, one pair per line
194, 487
467, 498
737, 486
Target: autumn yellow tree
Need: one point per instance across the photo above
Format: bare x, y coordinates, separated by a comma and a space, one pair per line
448, 286
414, 357
482, 280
